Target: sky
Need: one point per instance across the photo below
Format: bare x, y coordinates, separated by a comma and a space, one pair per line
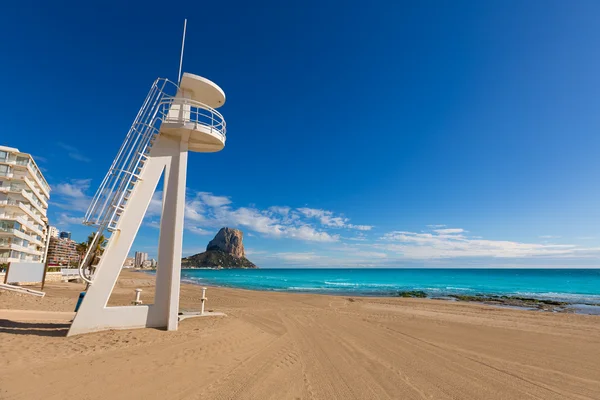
359, 134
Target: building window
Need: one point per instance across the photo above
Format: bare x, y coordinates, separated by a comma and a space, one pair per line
3, 155
4, 170
22, 160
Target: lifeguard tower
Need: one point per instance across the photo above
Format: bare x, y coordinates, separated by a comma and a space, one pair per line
173, 120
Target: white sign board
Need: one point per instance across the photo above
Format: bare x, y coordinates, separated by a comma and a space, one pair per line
25, 272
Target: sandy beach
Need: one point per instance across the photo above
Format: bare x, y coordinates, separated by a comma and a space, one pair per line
301, 346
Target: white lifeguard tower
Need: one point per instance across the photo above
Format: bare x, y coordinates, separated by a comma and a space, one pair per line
174, 119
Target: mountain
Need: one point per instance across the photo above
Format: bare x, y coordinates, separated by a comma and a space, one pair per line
225, 251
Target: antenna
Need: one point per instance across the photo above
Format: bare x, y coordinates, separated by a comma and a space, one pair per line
182, 46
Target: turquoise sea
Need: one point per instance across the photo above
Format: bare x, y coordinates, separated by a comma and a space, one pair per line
572, 285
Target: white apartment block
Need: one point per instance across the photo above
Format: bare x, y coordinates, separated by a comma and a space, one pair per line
24, 195
53, 232
140, 258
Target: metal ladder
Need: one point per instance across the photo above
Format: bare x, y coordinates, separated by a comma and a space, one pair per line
110, 200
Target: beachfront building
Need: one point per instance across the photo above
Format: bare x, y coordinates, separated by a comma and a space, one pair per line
140, 258
62, 252
24, 195
53, 232
129, 262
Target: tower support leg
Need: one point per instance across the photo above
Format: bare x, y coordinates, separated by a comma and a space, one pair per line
169, 155
168, 278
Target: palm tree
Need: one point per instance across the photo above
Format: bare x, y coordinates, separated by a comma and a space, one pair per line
98, 248
81, 248
94, 256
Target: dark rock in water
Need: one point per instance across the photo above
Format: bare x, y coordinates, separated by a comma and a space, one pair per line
225, 251
413, 293
515, 301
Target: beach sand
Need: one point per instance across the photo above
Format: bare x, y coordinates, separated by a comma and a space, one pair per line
301, 346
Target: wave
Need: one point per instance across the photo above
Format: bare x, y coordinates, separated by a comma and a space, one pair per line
362, 285
341, 284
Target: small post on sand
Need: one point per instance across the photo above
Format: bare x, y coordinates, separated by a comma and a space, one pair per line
203, 299
137, 300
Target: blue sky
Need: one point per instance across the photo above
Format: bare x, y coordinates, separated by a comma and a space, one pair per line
359, 134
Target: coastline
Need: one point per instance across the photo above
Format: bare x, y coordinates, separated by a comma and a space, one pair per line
275, 345
557, 302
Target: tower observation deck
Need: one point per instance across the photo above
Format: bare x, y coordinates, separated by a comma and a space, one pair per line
193, 110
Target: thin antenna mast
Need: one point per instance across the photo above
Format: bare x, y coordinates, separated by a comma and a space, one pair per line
182, 46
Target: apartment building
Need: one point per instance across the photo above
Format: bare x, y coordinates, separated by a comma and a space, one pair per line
24, 195
53, 232
63, 252
140, 258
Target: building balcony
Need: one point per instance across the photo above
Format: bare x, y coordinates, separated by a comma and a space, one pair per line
22, 249
39, 180
4, 232
44, 203
37, 176
23, 207
39, 201
24, 222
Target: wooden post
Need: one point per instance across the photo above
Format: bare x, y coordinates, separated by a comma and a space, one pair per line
6, 273
44, 277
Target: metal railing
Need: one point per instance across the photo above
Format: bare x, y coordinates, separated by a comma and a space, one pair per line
125, 169
182, 110
112, 195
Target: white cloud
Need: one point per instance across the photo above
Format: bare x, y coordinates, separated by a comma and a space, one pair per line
360, 227
280, 210
205, 210
66, 220
208, 210
155, 206
449, 231
197, 231
252, 252
309, 233
75, 188
72, 195
313, 259
297, 257
194, 210
74, 153
328, 219
452, 244
213, 201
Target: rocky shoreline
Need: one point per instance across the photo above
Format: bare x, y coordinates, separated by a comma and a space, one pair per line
527, 303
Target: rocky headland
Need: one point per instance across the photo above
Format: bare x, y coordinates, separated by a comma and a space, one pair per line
225, 251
